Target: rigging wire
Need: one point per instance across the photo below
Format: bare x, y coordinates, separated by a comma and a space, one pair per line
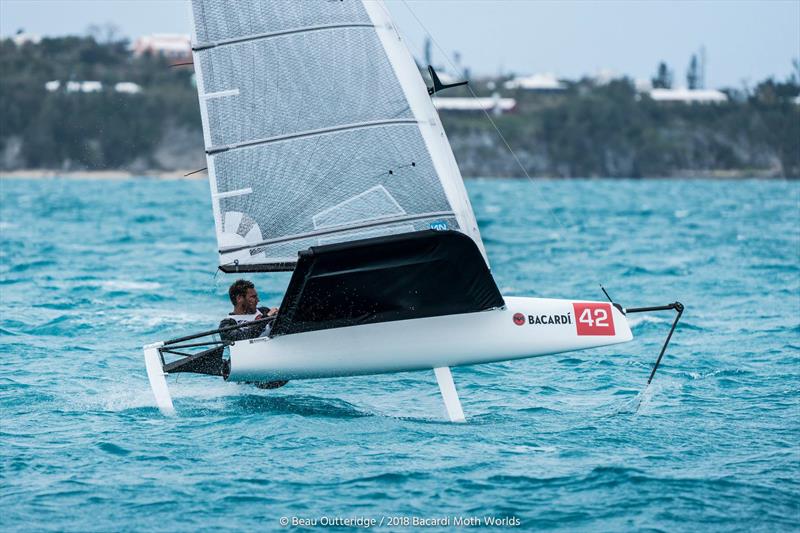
550, 210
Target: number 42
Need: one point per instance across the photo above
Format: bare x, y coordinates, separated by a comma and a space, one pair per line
596, 317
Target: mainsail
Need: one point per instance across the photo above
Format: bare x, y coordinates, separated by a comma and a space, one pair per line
318, 129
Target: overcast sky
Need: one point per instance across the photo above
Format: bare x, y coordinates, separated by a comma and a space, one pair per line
744, 40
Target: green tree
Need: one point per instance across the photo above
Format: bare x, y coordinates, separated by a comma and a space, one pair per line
663, 78
693, 74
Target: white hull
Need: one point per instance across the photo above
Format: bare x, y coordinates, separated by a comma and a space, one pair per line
427, 343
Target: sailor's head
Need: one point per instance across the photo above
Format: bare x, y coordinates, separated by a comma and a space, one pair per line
243, 296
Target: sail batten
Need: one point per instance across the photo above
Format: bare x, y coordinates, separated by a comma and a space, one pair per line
382, 221
345, 127
235, 40
219, 20
311, 108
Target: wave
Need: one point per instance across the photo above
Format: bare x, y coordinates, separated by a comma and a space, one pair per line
612, 475
721, 373
113, 449
779, 267
647, 321
32, 265
678, 270
129, 285
155, 318
539, 410
65, 325
310, 406
392, 478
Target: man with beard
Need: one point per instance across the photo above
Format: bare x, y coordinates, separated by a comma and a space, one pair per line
244, 298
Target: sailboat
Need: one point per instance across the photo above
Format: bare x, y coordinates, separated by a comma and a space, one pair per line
327, 158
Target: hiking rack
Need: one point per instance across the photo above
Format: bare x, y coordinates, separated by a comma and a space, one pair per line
209, 361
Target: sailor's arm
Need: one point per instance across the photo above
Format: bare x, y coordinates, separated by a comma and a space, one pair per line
234, 335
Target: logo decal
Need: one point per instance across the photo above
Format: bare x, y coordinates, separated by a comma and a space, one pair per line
542, 320
438, 225
594, 319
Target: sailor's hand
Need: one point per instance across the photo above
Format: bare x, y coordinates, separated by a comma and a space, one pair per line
273, 311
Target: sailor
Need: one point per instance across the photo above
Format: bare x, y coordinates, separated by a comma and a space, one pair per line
244, 298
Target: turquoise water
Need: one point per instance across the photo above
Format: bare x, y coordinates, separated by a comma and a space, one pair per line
91, 270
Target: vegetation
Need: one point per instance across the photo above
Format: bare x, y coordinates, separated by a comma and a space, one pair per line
588, 130
610, 130
102, 130
663, 78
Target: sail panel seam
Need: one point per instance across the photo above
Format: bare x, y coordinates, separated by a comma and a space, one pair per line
258, 36
311, 133
341, 229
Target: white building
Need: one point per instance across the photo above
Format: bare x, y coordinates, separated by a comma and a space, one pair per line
493, 104
169, 45
689, 96
127, 87
21, 39
604, 76
91, 86
643, 85
76, 86
538, 82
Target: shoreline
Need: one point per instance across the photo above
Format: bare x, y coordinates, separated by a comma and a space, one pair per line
110, 175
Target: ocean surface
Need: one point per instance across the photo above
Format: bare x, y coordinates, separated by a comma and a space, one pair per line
92, 270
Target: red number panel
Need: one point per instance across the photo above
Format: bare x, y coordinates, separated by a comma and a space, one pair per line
594, 319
